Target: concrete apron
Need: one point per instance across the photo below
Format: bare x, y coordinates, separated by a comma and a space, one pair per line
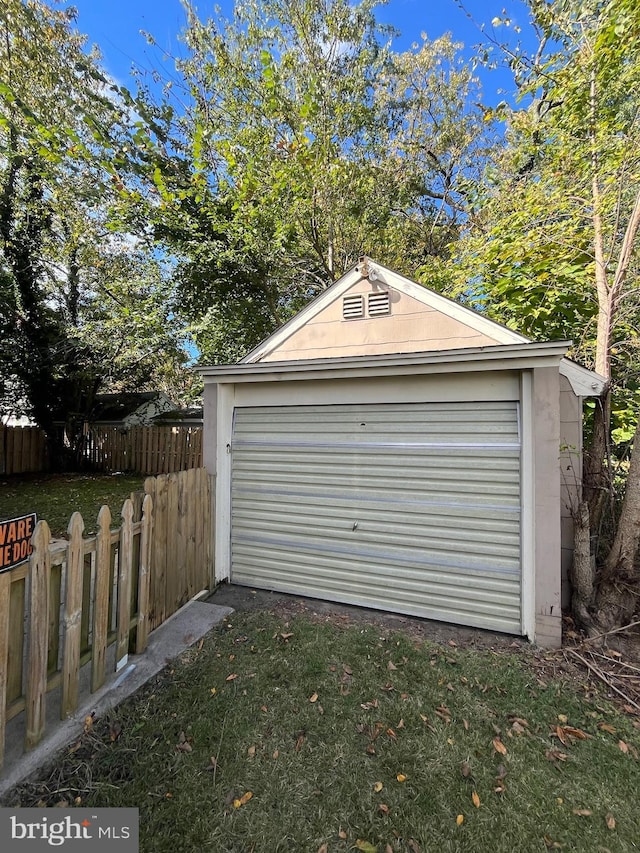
183, 629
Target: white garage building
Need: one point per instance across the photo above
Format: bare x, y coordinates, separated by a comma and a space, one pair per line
390, 448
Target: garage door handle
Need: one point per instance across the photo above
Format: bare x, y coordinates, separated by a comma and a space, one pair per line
355, 525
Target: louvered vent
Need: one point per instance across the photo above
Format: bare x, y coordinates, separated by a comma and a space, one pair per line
379, 304
353, 307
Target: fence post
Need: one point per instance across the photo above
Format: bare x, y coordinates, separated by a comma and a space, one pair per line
125, 561
101, 599
144, 574
39, 570
72, 616
5, 603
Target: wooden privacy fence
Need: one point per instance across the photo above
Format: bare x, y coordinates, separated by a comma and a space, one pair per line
22, 450
144, 450
78, 596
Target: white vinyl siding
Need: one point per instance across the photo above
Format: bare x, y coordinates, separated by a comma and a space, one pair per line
407, 507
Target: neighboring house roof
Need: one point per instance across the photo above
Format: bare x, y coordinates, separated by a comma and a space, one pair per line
187, 417
129, 407
426, 322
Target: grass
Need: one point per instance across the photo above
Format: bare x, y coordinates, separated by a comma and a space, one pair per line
293, 734
55, 497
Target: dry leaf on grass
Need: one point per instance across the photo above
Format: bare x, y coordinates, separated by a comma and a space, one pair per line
401, 777
383, 808
460, 819
313, 697
378, 786
610, 821
583, 812
475, 799
366, 846
499, 746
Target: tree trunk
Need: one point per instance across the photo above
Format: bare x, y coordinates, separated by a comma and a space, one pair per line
582, 571
595, 475
619, 587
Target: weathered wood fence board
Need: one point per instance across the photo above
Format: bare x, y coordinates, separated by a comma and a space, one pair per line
86, 593
139, 450
23, 450
144, 450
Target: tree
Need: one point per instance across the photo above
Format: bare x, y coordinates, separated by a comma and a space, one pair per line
64, 141
558, 251
307, 142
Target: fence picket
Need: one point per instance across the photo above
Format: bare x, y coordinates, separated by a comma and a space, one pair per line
73, 616
101, 599
39, 569
125, 563
144, 574
5, 601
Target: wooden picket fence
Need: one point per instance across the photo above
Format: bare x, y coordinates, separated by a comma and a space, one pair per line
144, 450
78, 596
23, 450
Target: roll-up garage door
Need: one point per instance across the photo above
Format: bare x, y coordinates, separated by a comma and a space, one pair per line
412, 508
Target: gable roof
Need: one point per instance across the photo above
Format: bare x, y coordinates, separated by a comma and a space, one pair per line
489, 333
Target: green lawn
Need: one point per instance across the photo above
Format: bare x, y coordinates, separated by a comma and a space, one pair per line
292, 735
55, 497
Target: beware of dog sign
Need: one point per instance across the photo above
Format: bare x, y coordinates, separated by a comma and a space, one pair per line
15, 540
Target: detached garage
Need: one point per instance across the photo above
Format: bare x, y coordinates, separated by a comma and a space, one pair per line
390, 448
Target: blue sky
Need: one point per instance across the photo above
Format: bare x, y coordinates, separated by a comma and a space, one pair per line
115, 25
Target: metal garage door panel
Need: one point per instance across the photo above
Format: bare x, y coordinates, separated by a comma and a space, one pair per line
413, 508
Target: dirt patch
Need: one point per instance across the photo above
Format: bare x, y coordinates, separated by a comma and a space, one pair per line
287, 606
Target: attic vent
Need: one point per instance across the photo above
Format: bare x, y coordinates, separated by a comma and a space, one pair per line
379, 304
352, 307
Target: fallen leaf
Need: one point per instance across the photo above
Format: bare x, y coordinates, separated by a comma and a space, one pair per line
460, 819
299, 742
475, 799
388, 848
115, 730
286, 637
378, 787
391, 665
366, 846
264, 709
320, 709
563, 718
552, 845
401, 777
313, 697
583, 812
414, 846
276, 753
453, 644
251, 751
400, 724
342, 834
465, 769
555, 755
502, 771
213, 691
88, 722
610, 821
232, 677
465, 723
383, 808
392, 734
499, 746
517, 727
606, 727
323, 848
622, 746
